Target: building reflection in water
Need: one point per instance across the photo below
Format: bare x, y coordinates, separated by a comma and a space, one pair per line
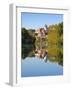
41, 54
41, 51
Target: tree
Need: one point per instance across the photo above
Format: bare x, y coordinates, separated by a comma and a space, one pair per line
28, 42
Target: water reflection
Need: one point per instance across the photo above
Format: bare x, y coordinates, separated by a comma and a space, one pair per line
41, 54
32, 51
39, 46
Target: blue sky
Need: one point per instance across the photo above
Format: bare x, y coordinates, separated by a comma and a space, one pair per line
37, 20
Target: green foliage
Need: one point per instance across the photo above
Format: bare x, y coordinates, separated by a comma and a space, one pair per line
28, 42
55, 42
